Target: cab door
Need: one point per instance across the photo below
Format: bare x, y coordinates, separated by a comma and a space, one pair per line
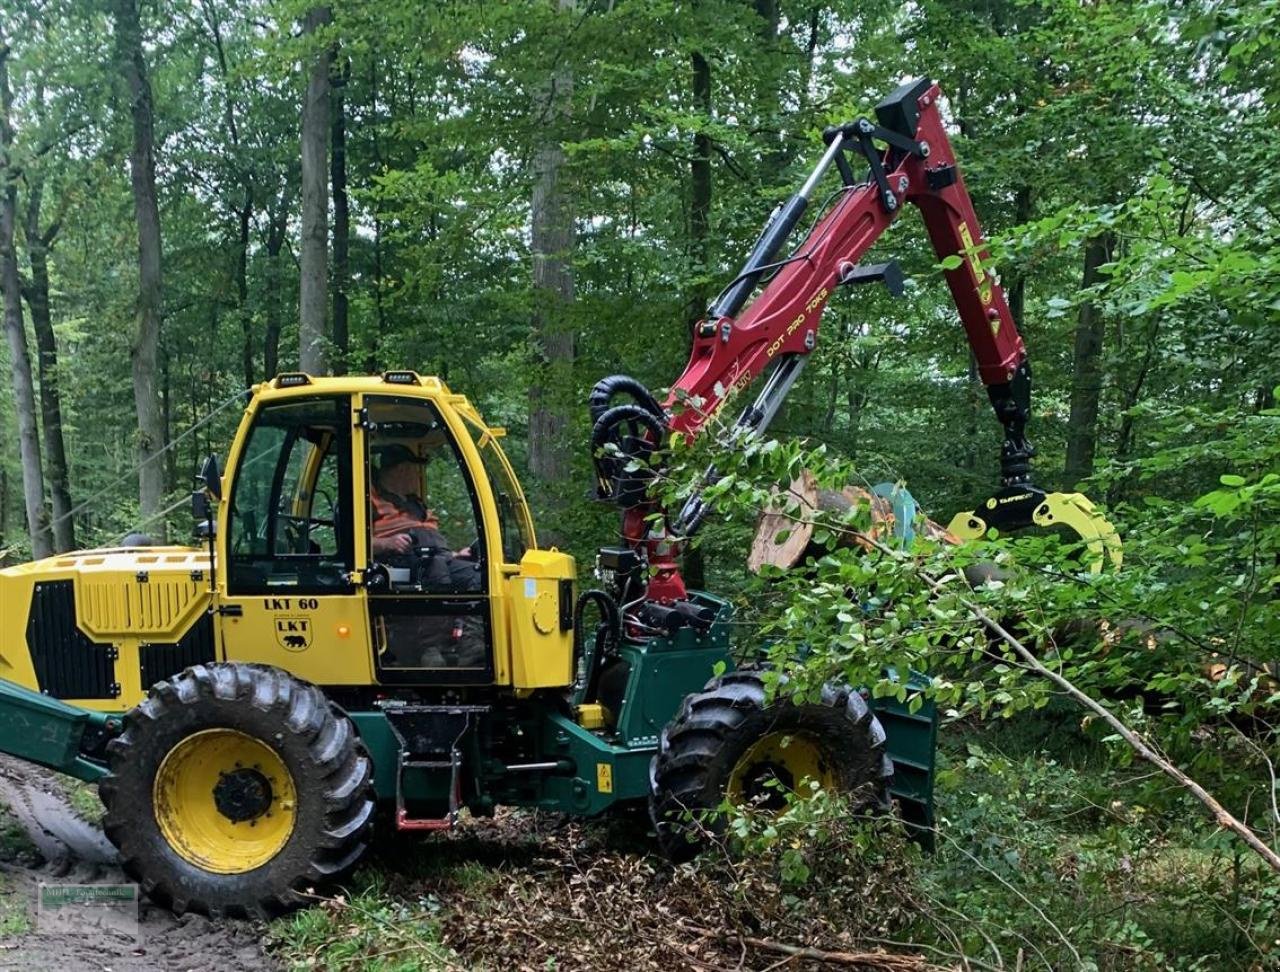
429, 599
287, 549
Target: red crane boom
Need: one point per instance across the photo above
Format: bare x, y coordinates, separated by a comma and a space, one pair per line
909, 159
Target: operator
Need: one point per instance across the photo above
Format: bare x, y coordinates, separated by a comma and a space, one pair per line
398, 510
406, 533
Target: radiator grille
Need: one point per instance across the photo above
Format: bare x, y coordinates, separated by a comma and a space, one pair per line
68, 664
157, 662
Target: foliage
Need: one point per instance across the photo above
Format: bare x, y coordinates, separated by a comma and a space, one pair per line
1147, 125
1048, 852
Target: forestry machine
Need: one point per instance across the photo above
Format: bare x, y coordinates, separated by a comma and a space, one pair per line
367, 623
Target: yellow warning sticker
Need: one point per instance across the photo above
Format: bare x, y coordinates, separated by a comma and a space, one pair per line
975, 264
604, 777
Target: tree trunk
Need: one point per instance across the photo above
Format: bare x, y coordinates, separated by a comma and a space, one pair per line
552, 240
276, 235
700, 193
245, 211
1124, 437
975, 405
146, 341
313, 286
55, 453
699, 249
24, 396
771, 78
341, 222
1017, 289
1086, 380
810, 52
244, 215
379, 274
4, 515
166, 411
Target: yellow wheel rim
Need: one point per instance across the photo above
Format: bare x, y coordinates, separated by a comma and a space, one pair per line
224, 801
787, 758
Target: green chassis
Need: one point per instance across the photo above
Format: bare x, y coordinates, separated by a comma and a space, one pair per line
592, 770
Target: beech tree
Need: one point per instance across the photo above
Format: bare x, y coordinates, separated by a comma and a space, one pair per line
144, 352
313, 288
14, 325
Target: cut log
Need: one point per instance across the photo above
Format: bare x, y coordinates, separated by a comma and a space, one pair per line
784, 533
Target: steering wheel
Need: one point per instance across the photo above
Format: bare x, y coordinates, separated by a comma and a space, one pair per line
298, 530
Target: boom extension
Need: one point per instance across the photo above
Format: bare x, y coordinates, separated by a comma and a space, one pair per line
909, 160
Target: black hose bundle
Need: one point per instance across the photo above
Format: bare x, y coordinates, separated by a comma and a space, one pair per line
608, 636
624, 438
607, 389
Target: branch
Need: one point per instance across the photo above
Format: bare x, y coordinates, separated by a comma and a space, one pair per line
728, 160
1220, 814
884, 961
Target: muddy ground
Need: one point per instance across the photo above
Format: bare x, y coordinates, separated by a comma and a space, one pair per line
44, 840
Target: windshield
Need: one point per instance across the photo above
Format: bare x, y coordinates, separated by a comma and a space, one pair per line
513, 512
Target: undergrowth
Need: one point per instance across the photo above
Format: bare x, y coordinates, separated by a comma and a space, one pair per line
1047, 857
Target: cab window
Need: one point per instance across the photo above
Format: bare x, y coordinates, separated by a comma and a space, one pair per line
427, 600
421, 501
513, 512
290, 503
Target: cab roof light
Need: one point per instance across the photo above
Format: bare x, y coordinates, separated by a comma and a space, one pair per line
401, 378
292, 379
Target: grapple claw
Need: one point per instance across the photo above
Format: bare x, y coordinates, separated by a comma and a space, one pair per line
1025, 507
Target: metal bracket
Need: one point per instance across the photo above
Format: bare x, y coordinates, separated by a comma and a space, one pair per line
942, 176
888, 273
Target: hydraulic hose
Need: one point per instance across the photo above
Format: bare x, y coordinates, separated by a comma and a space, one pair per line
614, 481
606, 389
608, 636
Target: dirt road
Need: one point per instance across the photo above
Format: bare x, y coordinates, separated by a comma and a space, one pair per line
62, 848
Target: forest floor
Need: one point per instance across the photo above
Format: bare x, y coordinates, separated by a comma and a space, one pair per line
1047, 860
49, 834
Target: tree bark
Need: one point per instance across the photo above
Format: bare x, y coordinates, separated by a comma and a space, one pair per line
775, 71
341, 221
372, 335
38, 245
244, 215
15, 330
1017, 289
313, 285
146, 341
552, 237
4, 514
700, 193
277, 230
1086, 380
244, 212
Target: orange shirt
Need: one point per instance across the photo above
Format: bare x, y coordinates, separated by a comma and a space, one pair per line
394, 514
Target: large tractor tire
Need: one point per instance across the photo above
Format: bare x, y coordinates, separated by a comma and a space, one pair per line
730, 740
235, 787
